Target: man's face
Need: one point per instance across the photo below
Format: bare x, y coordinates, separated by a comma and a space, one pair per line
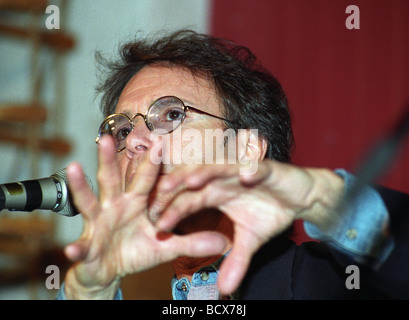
149, 84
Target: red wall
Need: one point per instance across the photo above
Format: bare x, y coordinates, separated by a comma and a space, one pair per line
346, 88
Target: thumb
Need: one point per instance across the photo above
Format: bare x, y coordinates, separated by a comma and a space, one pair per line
236, 264
77, 251
232, 272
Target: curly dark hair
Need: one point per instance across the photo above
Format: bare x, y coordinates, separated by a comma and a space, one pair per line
252, 97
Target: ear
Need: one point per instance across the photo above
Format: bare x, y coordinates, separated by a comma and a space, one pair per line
251, 145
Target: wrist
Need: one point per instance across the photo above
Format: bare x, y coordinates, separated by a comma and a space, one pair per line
75, 290
327, 191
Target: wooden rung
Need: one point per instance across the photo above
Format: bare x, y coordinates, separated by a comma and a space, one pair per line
57, 146
25, 113
24, 5
23, 225
55, 39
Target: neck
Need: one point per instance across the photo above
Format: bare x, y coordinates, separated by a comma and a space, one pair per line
187, 266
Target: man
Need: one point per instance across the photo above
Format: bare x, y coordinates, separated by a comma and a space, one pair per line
221, 222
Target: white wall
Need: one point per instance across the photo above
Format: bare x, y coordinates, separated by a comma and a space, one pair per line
96, 25
102, 25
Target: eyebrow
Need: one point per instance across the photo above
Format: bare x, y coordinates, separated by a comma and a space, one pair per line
127, 112
130, 113
186, 102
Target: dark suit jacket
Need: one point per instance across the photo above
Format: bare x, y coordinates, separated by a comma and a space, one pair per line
283, 270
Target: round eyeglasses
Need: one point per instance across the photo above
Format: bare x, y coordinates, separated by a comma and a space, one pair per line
164, 115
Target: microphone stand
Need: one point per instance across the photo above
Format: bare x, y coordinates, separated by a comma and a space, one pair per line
380, 157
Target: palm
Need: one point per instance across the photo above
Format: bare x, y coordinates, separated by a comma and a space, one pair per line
260, 207
118, 237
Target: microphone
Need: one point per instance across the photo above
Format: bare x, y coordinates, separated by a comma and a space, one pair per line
47, 193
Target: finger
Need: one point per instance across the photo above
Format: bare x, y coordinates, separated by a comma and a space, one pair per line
198, 176
196, 245
108, 175
146, 176
185, 204
236, 264
176, 178
209, 173
84, 199
263, 171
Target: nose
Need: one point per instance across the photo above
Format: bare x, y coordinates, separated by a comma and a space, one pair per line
138, 140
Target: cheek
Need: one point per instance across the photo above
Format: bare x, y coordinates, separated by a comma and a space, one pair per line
195, 147
171, 148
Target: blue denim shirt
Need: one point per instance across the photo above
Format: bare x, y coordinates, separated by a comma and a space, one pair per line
61, 294
360, 236
361, 233
202, 287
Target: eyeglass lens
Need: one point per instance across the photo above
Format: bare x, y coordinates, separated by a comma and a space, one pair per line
164, 116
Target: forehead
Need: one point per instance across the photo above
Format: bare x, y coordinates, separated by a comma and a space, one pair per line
153, 82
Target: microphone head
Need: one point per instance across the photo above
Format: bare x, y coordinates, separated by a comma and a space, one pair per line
67, 207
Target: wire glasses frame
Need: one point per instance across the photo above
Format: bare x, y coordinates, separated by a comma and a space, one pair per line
164, 115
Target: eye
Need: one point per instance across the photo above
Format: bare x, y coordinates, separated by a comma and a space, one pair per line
173, 115
121, 133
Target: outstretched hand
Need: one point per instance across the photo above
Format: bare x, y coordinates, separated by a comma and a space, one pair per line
118, 237
261, 205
